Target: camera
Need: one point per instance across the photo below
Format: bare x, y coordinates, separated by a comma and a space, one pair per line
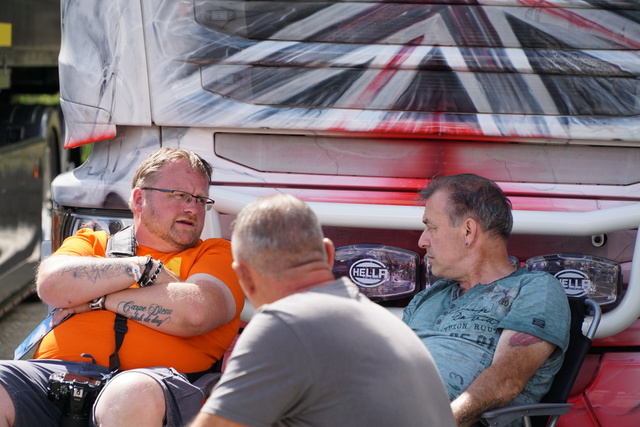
75, 395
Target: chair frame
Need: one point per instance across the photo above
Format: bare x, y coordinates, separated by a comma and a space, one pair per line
502, 416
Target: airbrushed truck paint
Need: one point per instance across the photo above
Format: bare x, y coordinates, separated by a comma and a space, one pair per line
539, 95
483, 69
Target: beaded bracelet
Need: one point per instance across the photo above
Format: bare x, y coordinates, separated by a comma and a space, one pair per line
153, 277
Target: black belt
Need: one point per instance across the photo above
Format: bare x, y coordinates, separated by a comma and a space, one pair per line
216, 367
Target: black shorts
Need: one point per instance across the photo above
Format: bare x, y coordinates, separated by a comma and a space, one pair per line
26, 382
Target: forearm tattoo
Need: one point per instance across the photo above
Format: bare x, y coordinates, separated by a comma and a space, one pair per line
153, 314
94, 273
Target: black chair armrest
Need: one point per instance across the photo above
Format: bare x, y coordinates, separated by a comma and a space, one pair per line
503, 416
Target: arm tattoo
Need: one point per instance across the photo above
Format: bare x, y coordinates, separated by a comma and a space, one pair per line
520, 339
95, 273
153, 314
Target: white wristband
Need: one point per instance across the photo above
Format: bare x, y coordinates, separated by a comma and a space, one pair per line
135, 270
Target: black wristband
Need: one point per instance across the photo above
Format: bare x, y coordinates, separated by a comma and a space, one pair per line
144, 277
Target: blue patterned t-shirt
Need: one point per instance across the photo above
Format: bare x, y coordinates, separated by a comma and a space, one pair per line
462, 331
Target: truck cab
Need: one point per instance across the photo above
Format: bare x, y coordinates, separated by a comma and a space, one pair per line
353, 106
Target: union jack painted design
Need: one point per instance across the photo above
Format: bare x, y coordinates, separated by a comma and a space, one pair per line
514, 70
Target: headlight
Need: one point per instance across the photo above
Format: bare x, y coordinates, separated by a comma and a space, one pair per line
514, 261
381, 272
66, 223
598, 278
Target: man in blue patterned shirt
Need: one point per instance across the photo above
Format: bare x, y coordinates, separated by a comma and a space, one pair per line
497, 333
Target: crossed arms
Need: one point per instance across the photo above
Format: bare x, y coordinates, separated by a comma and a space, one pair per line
199, 304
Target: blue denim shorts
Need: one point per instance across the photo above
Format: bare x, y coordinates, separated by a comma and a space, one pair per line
26, 382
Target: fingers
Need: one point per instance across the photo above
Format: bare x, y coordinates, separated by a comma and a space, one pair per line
62, 314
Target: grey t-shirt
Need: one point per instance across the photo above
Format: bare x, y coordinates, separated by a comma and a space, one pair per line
330, 357
462, 332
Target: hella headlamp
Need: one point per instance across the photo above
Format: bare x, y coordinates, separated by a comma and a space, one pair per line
381, 272
598, 278
67, 223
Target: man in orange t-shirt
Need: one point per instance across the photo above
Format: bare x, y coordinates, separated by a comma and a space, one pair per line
179, 295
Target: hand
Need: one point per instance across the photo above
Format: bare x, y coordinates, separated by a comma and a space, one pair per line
62, 314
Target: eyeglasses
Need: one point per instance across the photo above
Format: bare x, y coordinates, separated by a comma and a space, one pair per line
185, 198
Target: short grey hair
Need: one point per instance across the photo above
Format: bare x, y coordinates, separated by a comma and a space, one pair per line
475, 197
275, 233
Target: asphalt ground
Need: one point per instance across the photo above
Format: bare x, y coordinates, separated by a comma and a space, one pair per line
16, 325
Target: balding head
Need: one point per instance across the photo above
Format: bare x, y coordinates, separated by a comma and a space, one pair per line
279, 249
277, 233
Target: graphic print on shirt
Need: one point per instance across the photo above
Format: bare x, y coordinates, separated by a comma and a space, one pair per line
477, 320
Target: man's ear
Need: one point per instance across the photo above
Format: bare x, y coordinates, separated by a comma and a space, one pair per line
244, 277
471, 228
137, 199
330, 251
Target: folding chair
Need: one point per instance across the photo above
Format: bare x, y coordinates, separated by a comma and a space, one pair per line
554, 403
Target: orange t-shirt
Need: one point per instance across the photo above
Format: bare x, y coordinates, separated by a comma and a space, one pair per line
93, 333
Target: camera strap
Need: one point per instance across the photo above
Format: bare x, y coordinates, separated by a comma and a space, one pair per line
120, 327
121, 244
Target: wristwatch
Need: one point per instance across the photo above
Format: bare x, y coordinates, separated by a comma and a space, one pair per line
98, 303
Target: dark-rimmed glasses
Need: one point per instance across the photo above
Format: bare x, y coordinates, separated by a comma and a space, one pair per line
185, 198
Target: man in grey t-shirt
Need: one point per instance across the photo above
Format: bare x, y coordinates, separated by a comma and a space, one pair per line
317, 353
